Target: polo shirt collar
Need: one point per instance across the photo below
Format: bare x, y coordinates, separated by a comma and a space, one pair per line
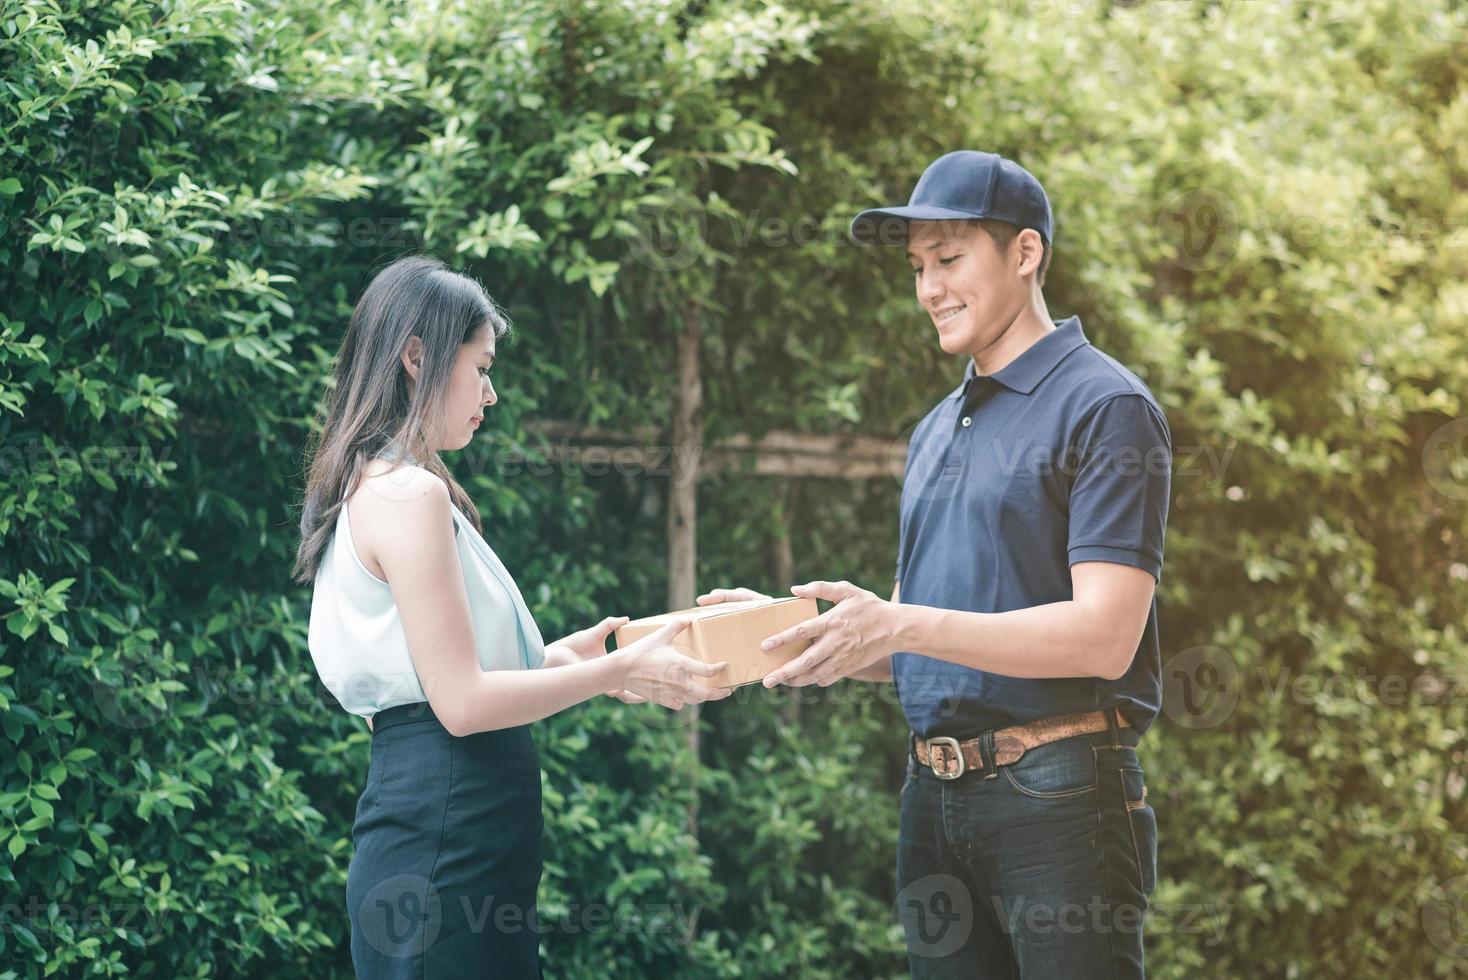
1024, 373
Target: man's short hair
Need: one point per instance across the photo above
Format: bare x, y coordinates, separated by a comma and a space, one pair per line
1003, 233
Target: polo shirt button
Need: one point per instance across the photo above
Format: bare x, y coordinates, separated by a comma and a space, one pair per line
967, 421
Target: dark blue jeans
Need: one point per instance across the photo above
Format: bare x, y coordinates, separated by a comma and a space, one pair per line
1043, 870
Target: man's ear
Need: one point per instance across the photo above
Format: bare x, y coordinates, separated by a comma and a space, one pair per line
1030, 249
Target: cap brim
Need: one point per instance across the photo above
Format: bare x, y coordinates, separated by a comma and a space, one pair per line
865, 226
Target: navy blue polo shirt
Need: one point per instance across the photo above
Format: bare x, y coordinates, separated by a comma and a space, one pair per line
1062, 456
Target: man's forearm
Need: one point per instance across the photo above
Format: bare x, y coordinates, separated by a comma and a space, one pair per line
880, 672
1059, 639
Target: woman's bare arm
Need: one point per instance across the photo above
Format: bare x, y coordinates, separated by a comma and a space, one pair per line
422, 568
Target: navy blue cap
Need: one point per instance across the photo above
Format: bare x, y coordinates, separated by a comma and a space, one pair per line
957, 185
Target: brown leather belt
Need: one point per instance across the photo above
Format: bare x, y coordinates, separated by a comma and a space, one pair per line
949, 758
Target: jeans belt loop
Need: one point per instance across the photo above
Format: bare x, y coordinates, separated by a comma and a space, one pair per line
986, 753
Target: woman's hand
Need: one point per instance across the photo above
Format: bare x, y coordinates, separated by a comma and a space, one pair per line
659, 672
589, 643
729, 595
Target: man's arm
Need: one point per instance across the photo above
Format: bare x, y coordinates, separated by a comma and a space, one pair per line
1117, 521
1093, 634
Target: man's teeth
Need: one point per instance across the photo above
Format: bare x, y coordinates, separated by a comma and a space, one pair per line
950, 314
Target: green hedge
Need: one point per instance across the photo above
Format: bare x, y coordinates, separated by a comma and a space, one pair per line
1260, 207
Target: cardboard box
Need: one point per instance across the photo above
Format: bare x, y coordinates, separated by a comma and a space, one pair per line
732, 631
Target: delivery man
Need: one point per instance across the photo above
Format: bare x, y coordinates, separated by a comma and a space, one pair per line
1022, 630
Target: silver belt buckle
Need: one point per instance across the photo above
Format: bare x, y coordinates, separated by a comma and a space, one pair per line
951, 744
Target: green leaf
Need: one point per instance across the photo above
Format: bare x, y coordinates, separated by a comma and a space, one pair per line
24, 714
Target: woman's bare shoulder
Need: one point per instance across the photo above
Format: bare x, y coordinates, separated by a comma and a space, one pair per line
392, 504
393, 484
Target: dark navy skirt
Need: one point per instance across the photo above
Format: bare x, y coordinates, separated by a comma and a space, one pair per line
446, 853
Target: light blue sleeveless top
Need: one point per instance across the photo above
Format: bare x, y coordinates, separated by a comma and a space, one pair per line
357, 640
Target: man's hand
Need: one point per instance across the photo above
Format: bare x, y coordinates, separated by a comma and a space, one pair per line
855, 633
590, 643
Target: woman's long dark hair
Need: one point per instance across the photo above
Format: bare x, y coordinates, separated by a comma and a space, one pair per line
369, 404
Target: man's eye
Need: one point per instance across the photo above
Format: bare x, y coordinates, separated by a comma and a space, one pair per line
950, 259
917, 271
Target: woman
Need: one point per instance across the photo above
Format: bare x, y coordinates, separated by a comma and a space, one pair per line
417, 626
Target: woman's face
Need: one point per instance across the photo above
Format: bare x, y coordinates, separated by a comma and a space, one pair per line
470, 390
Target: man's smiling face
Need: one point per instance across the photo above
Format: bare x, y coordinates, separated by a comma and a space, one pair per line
971, 289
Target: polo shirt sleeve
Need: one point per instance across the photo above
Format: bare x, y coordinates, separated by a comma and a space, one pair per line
1118, 499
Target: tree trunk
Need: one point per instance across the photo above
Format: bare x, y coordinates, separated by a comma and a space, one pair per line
782, 568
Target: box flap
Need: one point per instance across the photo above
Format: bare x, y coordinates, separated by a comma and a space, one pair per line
708, 612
